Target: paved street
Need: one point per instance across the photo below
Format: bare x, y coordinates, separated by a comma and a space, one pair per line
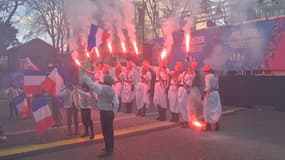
253, 134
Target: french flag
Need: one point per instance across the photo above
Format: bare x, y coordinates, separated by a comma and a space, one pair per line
96, 37
42, 113
21, 104
56, 81
33, 80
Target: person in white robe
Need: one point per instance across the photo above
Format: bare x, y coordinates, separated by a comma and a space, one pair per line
184, 91
173, 91
143, 89
160, 98
212, 108
128, 90
118, 86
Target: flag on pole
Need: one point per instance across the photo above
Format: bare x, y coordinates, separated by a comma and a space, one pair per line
96, 36
33, 80
42, 113
21, 104
56, 81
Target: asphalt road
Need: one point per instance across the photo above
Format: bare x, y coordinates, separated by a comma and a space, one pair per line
254, 134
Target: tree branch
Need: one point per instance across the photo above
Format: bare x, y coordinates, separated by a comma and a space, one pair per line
8, 20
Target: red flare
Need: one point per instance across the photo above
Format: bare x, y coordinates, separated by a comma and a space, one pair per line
77, 62
124, 47
97, 52
110, 47
163, 54
197, 124
187, 42
136, 47
87, 54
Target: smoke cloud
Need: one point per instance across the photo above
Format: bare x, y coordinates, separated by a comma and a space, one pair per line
113, 16
179, 16
246, 43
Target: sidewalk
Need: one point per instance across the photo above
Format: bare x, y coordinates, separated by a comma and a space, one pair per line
22, 138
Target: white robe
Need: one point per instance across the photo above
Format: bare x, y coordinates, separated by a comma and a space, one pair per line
128, 93
173, 96
212, 110
142, 94
183, 95
160, 95
118, 86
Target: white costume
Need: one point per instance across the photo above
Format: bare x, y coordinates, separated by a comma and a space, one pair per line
161, 84
173, 95
118, 86
212, 104
142, 91
184, 93
128, 93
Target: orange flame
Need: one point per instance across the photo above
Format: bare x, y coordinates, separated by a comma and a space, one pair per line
124, 47
77, 62
87, 54
97, 52
163, 54
110, 47
197, 124
136, 47
187, 42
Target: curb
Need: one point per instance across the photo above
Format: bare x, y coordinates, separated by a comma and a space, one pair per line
21, 151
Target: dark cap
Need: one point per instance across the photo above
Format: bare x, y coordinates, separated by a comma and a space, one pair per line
108, 80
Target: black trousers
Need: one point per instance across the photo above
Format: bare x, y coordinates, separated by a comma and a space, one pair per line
129, 107
72, 113
87, 121
56, 113
107, 120
13, 110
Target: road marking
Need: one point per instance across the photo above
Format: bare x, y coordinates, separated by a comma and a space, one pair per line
121, 132
13, 133
61, 127
31, 148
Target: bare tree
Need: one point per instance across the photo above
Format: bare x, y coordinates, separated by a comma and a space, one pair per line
8, 32
8, 10
49, 18
156, 10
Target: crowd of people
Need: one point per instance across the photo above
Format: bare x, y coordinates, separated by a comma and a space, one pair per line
181, 92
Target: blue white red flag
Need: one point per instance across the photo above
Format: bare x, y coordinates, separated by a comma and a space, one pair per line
21, 104
42, 113
96, 37
33, 80
56, 81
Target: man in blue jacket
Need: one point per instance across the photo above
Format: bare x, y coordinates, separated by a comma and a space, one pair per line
108, 104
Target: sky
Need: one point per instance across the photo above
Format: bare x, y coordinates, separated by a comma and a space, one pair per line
22, 22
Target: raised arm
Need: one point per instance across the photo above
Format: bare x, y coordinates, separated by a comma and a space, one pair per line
93, 86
